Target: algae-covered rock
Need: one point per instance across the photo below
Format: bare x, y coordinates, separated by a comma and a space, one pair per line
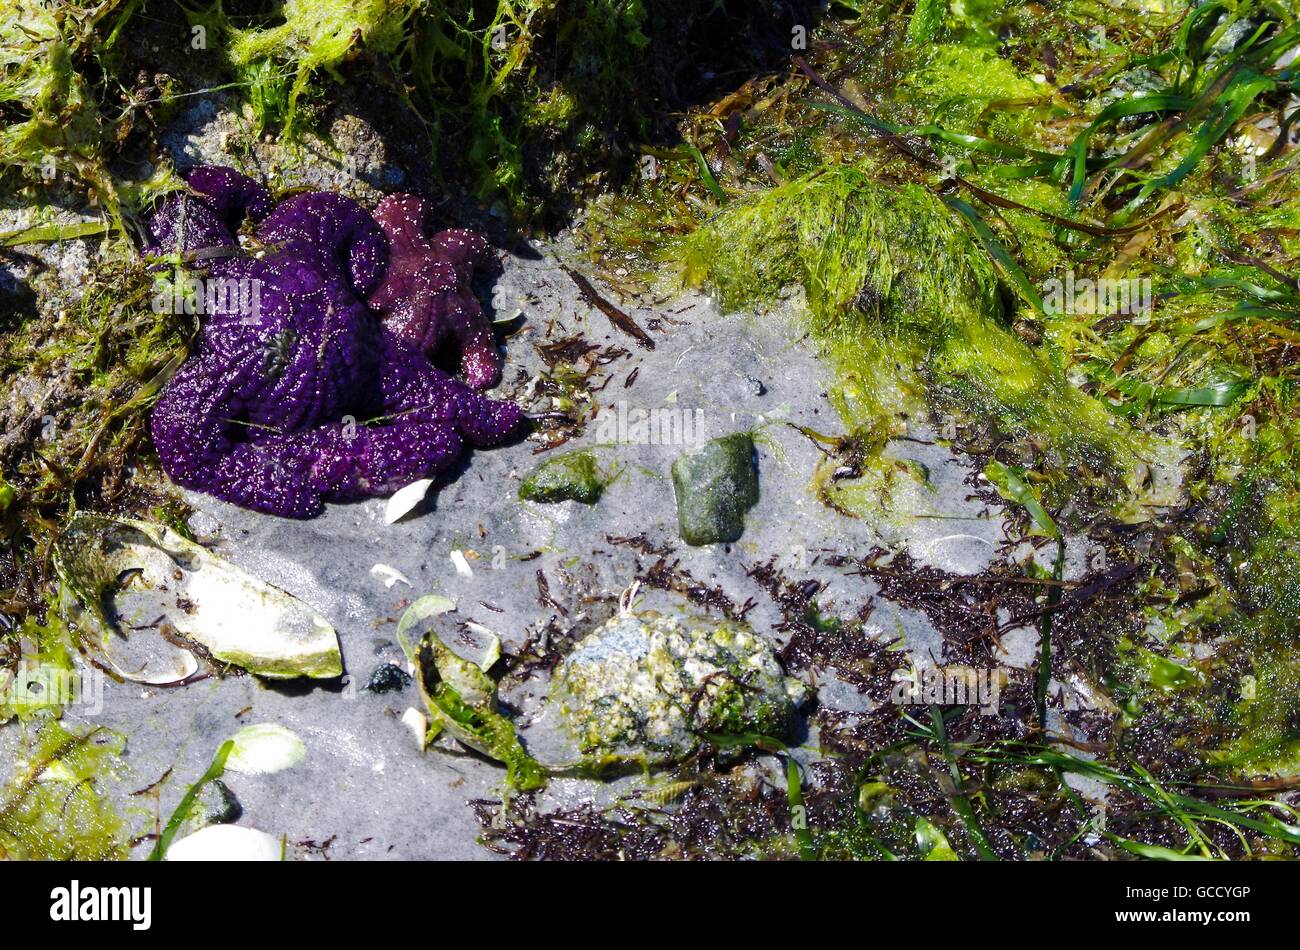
216, 804
572, 476
715, 484
648, 687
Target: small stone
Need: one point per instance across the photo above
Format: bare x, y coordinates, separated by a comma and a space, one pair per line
573, 476
216, 805
715, 484
388, 678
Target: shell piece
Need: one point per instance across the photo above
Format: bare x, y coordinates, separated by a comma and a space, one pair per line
152, 661
389, 575
126, 579
227, 843
405, 499
264, 749
418, 723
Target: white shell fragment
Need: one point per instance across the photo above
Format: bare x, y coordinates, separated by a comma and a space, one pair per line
462, 564
265, 748
405, 499
411, 627
487, 645
150, 660
390, 575
418, 723
134, 581
227, 843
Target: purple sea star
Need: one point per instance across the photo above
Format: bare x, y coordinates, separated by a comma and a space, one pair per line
296, 394
425, 296
205, 223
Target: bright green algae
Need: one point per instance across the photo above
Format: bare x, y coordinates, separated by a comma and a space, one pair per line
568, 476
55, 806
1178, 418
905, 304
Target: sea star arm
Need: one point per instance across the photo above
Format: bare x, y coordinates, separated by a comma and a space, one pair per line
205, 218
196, 432
426, 297
333, 229
412, 388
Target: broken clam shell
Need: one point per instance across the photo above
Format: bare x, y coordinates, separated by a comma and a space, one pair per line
130, 580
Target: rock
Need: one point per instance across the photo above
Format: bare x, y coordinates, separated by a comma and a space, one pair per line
216, 805
572, 476
715, 484
388, 678
646, 686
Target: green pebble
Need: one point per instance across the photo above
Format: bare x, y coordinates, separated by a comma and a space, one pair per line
715, 484
573, 476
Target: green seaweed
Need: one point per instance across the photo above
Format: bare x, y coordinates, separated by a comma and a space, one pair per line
462, 701
82, 440
906, 255
906, 306
62, 127
181, 814
54, 806
312, 36
529, 100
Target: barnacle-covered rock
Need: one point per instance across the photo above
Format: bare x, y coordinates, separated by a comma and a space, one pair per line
650, 687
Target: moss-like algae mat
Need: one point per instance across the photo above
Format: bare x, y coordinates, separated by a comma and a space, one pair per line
1061, 237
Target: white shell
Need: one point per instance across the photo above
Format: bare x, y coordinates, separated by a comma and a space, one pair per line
265, 748
462, 564
389, 575
226, 843
418, 723
404, 500
149, 579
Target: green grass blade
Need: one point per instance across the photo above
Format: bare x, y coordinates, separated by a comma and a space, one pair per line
1011, 270
186, 804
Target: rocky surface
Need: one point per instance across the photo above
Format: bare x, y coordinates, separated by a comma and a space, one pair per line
366, 789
